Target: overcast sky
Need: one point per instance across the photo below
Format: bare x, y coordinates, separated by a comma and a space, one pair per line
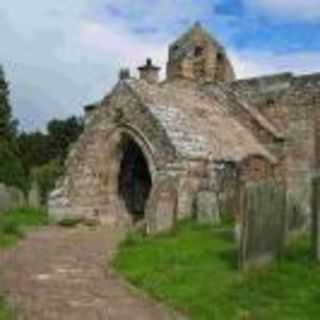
60, 55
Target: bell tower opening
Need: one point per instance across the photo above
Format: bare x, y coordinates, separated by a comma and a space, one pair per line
197, 56
198, 51
134, 178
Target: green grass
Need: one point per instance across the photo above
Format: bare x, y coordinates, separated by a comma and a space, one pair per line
195, 271
13, 224
5, 313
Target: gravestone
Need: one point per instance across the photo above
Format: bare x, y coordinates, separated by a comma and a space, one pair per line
10, 198
162, 206
263, 226
34, 197
207, 208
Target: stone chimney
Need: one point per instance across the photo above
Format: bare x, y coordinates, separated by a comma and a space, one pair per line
149, 72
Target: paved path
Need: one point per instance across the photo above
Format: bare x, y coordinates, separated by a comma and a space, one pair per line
59, 274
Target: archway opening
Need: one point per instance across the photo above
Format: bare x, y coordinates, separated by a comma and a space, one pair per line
134, 178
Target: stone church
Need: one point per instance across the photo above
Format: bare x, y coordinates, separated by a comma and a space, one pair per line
152, 149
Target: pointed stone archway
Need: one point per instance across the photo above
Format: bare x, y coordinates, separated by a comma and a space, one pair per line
134, 177
129, 173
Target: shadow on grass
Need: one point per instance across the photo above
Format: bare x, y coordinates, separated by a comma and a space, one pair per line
230, 258
225, 234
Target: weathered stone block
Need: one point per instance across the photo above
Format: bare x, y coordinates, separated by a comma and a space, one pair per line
162, 206
207, 208
10, 198
34, 197
263, 225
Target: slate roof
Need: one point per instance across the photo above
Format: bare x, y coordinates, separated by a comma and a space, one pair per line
197, 124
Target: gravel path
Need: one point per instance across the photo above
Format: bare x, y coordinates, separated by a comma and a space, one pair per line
59, 274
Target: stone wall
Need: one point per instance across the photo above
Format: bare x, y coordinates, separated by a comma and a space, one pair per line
264, 94
256, 169
90, 186
302, 101
291, 104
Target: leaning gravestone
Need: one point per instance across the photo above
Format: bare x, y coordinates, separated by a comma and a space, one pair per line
34, 197
162, 206
263, 224
316, 217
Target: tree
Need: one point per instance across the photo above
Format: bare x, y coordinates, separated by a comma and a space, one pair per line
37, 149
7, 123
33, 150
11, 169
21, 153
61, 134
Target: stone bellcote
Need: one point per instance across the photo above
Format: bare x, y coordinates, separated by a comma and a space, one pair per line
196, 55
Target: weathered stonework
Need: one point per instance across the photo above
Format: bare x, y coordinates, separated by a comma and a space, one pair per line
197, 56
292, 105
149, 148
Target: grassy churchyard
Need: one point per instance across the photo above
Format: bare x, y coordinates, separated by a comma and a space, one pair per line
194, 270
